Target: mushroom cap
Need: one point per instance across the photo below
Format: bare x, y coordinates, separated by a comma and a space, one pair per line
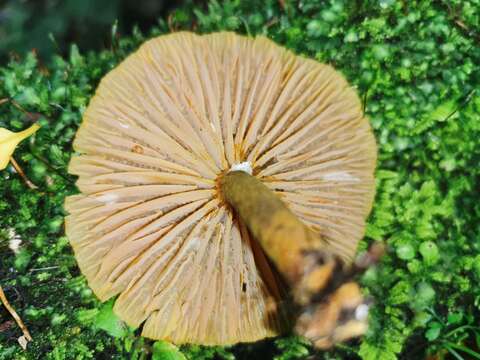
149, 224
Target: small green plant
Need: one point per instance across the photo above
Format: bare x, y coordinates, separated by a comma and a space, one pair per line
457, 336
415, 65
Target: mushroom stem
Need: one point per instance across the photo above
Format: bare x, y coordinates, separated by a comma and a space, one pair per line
283, 237
321, 286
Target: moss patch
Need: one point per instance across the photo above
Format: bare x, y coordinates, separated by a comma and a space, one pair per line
416, 68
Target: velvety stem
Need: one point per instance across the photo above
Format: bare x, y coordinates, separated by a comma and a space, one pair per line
321, 286
283, 237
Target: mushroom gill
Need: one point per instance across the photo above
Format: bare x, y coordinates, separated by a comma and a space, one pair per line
151, 225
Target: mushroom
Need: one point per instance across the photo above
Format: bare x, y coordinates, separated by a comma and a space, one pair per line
185, 152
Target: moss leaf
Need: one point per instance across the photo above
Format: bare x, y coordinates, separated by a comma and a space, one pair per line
163, 350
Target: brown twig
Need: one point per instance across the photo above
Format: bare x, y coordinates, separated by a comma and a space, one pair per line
22, 174
33, 117
271, 22
11, 310
455, 15
170, 22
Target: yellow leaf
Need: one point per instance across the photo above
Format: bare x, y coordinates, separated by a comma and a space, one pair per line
9, 141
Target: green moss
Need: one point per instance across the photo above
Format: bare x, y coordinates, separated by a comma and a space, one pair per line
416, 68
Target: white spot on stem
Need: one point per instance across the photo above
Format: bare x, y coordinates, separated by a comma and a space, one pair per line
361, 312
244, 166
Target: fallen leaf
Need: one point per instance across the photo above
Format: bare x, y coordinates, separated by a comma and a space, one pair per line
9, 141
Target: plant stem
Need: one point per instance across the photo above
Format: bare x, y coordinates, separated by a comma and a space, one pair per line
22, 174
11, 310
283, 237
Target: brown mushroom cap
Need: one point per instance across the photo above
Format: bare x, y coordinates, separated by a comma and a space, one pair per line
149, 224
